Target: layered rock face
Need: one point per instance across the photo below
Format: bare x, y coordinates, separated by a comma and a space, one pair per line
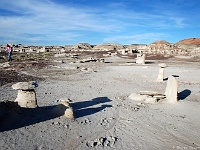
187, 47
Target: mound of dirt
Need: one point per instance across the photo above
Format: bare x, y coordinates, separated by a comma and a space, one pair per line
195, 41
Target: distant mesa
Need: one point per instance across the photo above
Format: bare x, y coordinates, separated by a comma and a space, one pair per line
195, 41
160, 42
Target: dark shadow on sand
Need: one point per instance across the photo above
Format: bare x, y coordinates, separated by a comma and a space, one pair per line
81, 110
12, 116
149, 62
184, 94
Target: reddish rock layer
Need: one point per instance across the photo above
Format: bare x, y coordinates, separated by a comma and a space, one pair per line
190, 41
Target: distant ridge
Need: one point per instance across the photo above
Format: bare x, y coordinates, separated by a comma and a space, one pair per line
195, 41
161, 42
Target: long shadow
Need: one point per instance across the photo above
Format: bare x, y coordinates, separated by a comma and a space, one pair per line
12, 116
84, 104
89, 111
149, 62
184, 94
81, 110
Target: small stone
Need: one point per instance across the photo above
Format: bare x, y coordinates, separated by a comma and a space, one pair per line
151, 100
140, 104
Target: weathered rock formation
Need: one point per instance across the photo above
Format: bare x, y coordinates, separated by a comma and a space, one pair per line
171, 91
26, 94
82, 46
150, 97
108, 47
140, 58
161, 72
187, 47
64, 106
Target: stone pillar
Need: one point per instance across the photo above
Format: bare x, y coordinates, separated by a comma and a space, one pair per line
171, 91
26, 96
140, 58
123, 51
161, 72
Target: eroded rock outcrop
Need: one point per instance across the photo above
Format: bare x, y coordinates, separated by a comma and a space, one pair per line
26, 96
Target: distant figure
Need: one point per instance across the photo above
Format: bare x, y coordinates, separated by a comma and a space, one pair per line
9, 50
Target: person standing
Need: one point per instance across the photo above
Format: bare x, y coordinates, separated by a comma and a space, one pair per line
9, 50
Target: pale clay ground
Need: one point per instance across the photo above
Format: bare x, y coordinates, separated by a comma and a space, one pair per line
105, 117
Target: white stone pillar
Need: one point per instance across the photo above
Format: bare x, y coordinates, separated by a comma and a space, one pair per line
140, 58
123, 51
171, 91
161, 72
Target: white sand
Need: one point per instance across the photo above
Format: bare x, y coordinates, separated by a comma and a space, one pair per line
105, 117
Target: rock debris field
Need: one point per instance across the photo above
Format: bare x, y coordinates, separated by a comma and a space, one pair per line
106, 116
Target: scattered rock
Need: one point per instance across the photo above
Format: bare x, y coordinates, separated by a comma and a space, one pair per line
87, 69
60, 55
86, 121
103, 142
3, 65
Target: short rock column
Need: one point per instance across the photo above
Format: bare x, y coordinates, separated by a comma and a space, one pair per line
123, 51
171, 91
26, 96
140, 58
161, 72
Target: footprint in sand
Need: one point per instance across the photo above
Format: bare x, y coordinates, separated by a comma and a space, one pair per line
106, 123
102, 141
85, 121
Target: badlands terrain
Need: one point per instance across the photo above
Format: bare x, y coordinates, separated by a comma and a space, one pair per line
99, 89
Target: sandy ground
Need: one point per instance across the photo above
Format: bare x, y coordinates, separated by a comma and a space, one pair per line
105, 118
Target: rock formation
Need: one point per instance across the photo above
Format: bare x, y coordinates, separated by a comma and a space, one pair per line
140, 58
171, 91
161, 72
64, 106
26, 96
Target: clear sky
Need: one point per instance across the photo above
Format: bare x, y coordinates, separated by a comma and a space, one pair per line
68, 22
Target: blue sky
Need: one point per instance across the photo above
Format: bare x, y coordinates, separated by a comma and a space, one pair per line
68, 22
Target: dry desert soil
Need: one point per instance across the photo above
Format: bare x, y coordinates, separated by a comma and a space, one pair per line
105, 116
